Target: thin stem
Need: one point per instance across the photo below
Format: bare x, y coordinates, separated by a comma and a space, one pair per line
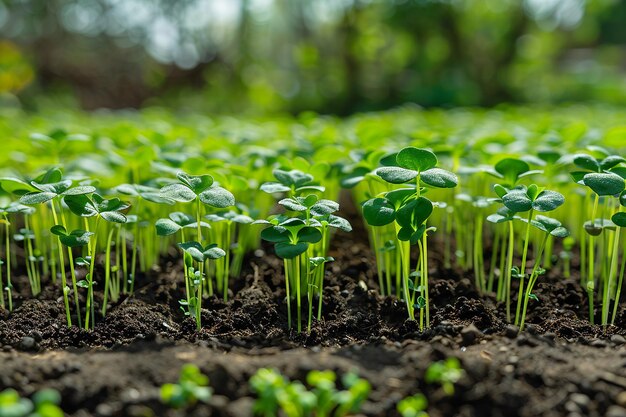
107, 272
523, 268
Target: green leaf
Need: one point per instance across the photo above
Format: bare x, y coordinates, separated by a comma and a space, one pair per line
517, 201
619, 219
58, 230
611, 161
604, 183
166, 227
309, 235
275, 235
378, 212
178, 192
194, 249
213, 252
548, 200
324, 207
274, 187
36, 197
81, 205
286, 250
511, 169
76, 238
439, 178
217, 197
414, 213
113, 216
500, 190
292, 204
339, 223
416, 159
587, 162
396, 175
81, 189
196, 183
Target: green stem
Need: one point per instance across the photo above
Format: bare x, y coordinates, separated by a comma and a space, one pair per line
9, 287
62, 262
286, 262
531, 281
107, 272
591, 261
618, 290
523, 268
92, 262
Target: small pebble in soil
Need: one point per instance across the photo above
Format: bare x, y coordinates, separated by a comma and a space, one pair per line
618, 339
470, 334
28, 344
511, 331
598, 343
581, 400
615, 411
621, 399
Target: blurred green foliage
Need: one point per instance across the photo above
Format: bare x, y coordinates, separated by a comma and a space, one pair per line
323, 55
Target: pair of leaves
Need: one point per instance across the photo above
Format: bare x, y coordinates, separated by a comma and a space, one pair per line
73, 239
147, 193
511, 170
310, 203
110, 210
549, 225
590, 163
49, 190
192, 187
291, 238
413, 162
177, 220
524, 199
291, 181
201, 253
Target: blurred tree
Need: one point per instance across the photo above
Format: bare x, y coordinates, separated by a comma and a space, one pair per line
324, 55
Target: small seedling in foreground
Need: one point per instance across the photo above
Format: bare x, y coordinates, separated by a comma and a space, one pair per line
192, 387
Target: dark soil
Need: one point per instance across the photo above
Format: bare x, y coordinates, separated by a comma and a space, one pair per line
561, 365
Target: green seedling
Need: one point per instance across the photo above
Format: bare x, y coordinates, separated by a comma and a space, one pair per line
277, 394
198, 189
112, 212
604, 178
445, 373
549, 227
192, 387
194, 279
50, 189
44, 403
413, 406
138, 193
409, 210
74, 239
291, 238
529, 200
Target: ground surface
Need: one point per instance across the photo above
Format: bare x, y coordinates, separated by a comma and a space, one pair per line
560, 365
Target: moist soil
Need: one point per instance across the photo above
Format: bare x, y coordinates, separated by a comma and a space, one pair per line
559, 366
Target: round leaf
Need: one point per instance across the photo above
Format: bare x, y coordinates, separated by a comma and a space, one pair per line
217, 197
378, 212
439, 178
604, 183
396, 175
517, 201
416, 159
178, 192
166, 227
288, 250
511, 169
619, 219
548, 200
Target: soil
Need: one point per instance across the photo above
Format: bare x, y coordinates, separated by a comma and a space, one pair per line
560, 365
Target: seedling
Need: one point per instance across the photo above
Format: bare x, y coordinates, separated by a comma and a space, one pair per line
529, 200
50, 188
409, 210
603, 178
45, 403
198, 189
111, 211
192, 387
276, 393
413, 406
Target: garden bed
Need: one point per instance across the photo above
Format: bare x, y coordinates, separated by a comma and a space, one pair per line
561, 364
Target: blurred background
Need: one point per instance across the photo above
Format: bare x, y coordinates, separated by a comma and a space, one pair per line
328, 56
